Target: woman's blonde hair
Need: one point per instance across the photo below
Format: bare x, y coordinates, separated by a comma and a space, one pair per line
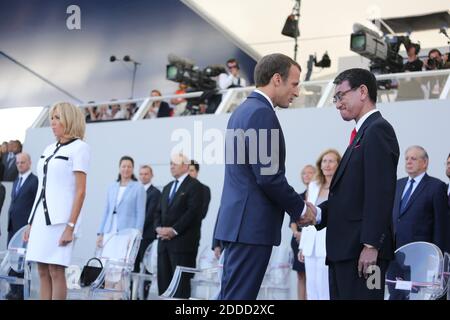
320, 176
71, 117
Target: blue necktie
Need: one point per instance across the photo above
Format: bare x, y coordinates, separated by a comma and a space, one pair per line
406, 196
19, 184
174, 190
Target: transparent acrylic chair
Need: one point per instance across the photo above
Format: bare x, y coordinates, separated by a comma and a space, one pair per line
117, 254
13, 259
205, 281
146, 274
275, 285
417, 273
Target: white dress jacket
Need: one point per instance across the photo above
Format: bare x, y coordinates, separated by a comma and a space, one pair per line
312, 242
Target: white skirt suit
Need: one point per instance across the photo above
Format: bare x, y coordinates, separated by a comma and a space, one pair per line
54, 200
313, 246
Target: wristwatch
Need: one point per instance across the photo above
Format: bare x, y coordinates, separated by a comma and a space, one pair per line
71, 224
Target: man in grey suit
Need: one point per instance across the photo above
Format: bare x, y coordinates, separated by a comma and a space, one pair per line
22, 198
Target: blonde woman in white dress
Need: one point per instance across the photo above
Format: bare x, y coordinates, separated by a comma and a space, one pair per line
312, 243
54, 219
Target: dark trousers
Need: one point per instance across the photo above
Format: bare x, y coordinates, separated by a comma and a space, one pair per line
167, 263
345, 283
244, 267
15, 290
139, 258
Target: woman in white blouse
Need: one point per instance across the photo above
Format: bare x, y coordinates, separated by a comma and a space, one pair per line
62, 170
312, 242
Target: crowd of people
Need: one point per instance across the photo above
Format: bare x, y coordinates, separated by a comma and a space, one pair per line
208, 103
353, 214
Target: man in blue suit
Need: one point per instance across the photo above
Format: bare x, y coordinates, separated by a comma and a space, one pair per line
420, 206
256, 193
22, 198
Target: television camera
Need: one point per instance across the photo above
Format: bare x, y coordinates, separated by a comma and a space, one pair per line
185, 71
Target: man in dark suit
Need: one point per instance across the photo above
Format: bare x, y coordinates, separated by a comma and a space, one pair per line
22, 198
177, 224
151, 207
2, 196
194, 169
358, 212
256, 193
420, 206
9, 160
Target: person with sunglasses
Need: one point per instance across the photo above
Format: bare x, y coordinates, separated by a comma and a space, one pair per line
233, 78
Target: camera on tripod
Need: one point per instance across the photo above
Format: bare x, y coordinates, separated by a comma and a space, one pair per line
184, 71
381, 51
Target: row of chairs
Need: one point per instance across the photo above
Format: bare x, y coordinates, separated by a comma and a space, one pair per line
420, 271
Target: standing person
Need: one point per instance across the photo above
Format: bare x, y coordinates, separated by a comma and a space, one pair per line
2, 195
22, 198
151, 207
358, 212
256, 193
178, 225
312, 243
306, 175
420, 210
125, 203
194, 169
10, 170
62, 171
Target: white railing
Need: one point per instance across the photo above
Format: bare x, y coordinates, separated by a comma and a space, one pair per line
419, 85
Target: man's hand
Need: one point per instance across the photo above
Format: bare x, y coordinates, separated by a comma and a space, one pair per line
368, 257
309, 218
217, 252
165, 233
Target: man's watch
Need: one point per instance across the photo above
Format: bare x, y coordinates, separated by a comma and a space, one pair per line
71, 224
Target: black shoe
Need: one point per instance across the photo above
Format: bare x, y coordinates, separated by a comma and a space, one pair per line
13, 296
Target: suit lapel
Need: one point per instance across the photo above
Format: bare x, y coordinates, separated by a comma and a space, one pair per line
348, 152
180, 190
398, 197
127, 190
416, 193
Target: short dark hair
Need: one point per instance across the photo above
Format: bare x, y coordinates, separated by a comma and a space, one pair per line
434, 50
271, 64
233, 60
448, 156
357, 77
195, 164
124, 158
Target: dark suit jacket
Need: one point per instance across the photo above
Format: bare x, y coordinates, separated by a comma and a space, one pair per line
254, 201
2, 196
10, 173
21, 204
184, 214
2, 169
425, 216
206, 200
359, 206
151, 207
164, 110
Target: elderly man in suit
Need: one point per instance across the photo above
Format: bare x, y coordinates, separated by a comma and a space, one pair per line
358, 213
420, 207
256, 193
22, 197
178, 221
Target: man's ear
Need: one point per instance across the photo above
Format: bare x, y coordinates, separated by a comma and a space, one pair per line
276, 79
364, 92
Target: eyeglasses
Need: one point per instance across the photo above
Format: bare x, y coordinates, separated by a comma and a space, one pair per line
338, 96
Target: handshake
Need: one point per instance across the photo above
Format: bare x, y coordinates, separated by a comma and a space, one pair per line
309, 218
